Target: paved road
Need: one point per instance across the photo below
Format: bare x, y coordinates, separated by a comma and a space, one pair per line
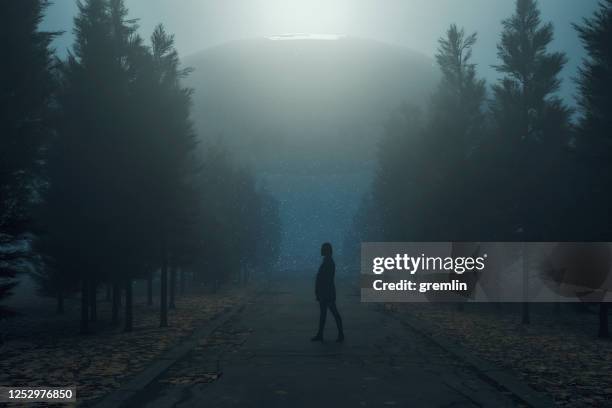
263, 358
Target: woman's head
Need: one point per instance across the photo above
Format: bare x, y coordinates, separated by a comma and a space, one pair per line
326, 249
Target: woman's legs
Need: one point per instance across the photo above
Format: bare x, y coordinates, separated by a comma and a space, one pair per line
323, 306
322, 317
334, 310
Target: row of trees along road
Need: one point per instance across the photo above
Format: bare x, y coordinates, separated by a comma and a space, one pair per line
125, 190
509, 165
26, 87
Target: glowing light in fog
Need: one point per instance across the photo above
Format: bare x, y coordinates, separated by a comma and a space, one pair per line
300, 36
303, 16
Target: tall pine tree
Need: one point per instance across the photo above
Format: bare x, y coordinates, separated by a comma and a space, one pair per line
171, 159
455, 129
422, 188
594, 142
26, 88
532, 122
84, 210
594, 138
533, 126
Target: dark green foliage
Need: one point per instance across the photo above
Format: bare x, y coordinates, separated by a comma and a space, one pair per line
532, 125
242, 222
594, 140
115, 161
169, 195
26, 86
423, 188
127, 191
530, 72
460, 95
518, 171
400, 163
455, 130
88, 207
595, 78
462, 175
459, 175
594, 147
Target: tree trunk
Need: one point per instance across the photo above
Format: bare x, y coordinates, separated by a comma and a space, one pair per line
172, 287
84, 307
108, 292
93, 301
182, 281
116, 303
128, 305
150, 290
60, 302
604, 331
525, 319
525, 306
163, 299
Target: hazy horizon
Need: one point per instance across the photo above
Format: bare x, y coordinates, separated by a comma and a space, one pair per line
415, 24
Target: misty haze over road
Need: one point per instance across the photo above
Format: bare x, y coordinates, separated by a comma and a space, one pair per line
307, 114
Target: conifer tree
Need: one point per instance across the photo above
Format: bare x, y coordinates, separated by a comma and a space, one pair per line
172, 156
455, 129
422, 189
594, 138
533, 126
84, 210
26, 88
533, 123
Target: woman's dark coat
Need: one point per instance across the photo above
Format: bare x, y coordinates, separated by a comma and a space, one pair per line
325, 289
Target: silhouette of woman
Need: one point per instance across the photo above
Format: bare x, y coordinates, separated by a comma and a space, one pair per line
325, 290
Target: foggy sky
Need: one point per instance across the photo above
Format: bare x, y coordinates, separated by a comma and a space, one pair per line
316, 208
416, 24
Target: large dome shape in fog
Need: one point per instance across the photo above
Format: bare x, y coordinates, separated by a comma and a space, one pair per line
304, 104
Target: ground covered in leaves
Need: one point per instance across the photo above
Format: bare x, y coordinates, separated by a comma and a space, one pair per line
46, 350
558, 353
